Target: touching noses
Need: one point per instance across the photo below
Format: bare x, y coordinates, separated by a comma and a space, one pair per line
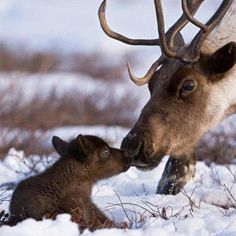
132, 144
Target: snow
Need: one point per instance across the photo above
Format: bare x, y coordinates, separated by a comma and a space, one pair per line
206, 206
30, 85
25, 87
61, 226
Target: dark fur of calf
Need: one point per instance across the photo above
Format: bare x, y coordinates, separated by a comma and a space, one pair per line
66, 186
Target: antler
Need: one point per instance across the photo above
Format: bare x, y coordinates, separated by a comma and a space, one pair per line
167, 41
190, 17
196, 44
141, 81
120, 37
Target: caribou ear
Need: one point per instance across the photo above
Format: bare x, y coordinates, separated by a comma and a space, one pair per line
220, 61
59, 145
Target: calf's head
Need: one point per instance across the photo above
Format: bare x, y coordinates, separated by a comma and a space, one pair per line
98, 159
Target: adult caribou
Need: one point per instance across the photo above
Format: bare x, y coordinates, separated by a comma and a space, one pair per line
192, 87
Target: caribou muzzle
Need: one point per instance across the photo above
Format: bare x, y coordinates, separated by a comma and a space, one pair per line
141, 154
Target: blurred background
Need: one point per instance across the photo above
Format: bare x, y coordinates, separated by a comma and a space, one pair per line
61, 75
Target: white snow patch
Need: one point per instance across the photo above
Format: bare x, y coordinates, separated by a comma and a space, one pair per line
211, 210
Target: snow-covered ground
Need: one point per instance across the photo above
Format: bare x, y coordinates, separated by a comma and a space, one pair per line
43, 84
28, 86
206, 206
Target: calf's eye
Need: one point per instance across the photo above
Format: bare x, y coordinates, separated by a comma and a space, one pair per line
105, 153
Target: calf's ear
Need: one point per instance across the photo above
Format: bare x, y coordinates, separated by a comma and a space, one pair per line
80, 148
220, 61
85, 145
59, 145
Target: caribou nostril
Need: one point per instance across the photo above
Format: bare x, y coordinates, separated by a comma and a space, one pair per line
130, 139
132, 145
134, 152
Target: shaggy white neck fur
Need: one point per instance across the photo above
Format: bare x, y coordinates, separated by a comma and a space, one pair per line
224, 33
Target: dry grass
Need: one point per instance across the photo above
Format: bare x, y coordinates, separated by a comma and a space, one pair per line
31, 144
46, 112
217, 146
74, 109
14, 60
96, 65
99, 66
138, 215
71, 109
67, 110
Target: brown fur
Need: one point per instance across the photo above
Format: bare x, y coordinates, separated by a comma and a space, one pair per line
174, 118
66, 186
193, 90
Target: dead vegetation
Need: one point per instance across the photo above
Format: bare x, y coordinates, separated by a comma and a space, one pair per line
31, 144
228, 190
218, 146
96, 65
14, 60
141, 215
26, 122
68, 110
42, 113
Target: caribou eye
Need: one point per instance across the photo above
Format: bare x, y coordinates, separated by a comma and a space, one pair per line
187, 87
105, 153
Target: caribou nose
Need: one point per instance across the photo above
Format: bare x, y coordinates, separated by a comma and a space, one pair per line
132, 144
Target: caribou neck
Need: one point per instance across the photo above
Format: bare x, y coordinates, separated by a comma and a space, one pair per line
230, 91
222, 98
223, 33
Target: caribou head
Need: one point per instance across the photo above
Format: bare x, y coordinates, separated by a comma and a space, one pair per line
192, 88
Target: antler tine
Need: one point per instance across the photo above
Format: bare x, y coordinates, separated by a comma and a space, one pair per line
161, 30
190, 17
192, 8
165, 39
148, 76
198, 40
120, 37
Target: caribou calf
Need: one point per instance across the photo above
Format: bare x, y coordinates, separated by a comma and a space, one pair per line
66, 186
